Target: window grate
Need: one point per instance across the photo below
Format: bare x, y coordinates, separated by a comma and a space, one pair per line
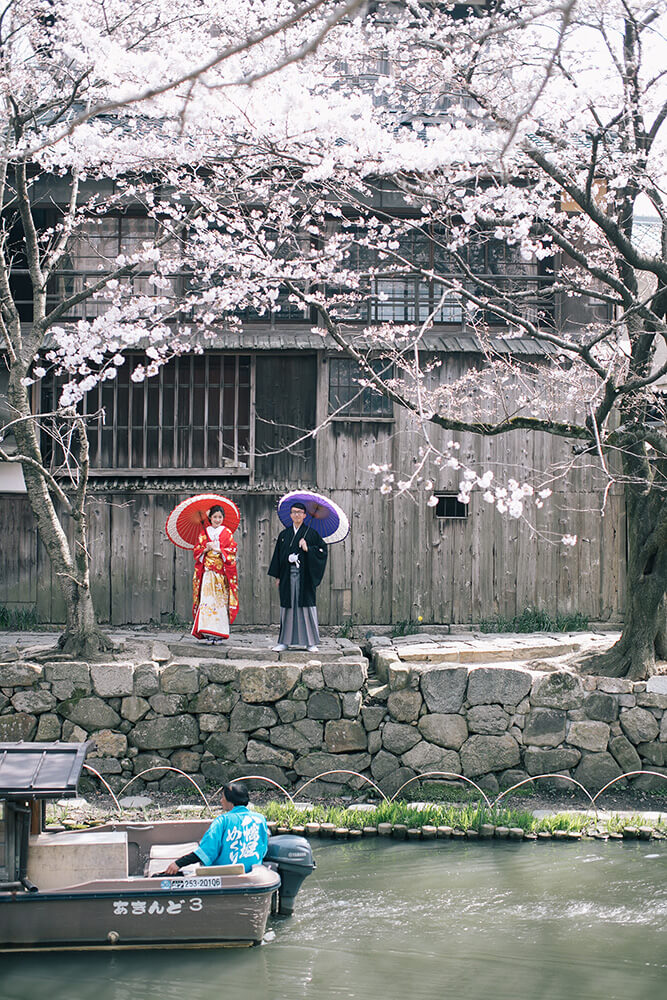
450, 507
349, 399
194, 414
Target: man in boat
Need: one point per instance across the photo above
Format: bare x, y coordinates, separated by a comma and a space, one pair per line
239, 836
298, 564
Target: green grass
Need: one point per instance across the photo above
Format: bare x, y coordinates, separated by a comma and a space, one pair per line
346, 630
407, 626
466, 816
469, 816
18, 619
570, 822
534, 620
459, 816
615, 823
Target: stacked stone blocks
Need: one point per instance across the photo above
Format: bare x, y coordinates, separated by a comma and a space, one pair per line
290, 721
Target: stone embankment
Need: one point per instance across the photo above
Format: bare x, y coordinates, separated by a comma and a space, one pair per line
496, 711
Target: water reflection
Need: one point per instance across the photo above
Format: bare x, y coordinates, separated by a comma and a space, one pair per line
383, 920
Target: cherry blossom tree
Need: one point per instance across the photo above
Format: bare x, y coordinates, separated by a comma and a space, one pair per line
534, 126
261, 142
554, 143
105, 105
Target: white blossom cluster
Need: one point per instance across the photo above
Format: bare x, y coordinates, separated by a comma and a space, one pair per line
510, 499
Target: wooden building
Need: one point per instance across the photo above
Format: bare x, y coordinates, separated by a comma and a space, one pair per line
402, 559
272, 408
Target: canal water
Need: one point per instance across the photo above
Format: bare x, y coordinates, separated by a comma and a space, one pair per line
383, 920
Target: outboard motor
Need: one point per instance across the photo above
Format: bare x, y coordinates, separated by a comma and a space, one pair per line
292, 857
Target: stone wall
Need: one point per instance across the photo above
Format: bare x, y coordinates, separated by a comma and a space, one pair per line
290, 720
500, 724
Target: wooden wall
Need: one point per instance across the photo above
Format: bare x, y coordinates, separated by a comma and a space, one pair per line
399, 561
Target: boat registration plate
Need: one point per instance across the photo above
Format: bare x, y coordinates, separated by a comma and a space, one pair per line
196, 882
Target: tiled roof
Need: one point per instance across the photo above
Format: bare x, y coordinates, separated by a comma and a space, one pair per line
292, 337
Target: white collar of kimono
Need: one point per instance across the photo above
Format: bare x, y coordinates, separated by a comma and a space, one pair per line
214, 533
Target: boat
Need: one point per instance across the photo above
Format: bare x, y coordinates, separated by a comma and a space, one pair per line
104, 887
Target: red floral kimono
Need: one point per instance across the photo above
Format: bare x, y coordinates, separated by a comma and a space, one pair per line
215, 589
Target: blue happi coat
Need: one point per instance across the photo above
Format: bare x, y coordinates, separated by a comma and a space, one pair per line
238, 836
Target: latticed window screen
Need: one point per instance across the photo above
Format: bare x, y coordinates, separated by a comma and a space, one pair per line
94, 251
194, 414
397, 288
349, 399
400, 297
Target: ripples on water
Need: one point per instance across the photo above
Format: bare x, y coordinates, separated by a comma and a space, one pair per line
382, 920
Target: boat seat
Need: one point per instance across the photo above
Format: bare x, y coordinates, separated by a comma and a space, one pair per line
161, 854
169, 852
220, 870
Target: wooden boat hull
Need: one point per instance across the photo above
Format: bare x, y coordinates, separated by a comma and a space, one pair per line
139, 913
64, 904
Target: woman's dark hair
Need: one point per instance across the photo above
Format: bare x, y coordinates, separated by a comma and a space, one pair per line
213, 510
236, 793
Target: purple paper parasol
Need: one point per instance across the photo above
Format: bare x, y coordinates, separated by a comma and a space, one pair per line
323, 514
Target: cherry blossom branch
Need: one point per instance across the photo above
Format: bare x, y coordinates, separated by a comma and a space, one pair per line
249, 42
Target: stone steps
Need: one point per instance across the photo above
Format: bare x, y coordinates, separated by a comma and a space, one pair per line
260, 651
532, 649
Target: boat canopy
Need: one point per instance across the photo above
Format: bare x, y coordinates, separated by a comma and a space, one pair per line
41, 770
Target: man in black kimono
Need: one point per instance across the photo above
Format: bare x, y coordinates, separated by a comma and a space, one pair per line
298, 563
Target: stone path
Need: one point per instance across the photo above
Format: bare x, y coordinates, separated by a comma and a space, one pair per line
536, 650
431, 647
254, 646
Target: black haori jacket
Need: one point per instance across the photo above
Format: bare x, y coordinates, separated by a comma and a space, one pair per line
312, 564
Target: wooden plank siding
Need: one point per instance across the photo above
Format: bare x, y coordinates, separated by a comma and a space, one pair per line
18, 553
399, 561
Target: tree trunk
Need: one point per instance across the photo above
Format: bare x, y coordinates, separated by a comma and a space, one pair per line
644, 638
82, 637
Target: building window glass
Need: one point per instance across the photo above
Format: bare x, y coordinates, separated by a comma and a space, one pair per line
450, 507
347, 398
95, 250
399, 296
390, 288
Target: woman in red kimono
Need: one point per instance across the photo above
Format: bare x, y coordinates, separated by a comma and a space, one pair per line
215, 590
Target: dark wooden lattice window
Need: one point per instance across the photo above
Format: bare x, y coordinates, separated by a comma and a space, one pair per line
3, 843
95, 249
195, 414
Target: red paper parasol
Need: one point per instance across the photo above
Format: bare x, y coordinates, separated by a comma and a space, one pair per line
188, 519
